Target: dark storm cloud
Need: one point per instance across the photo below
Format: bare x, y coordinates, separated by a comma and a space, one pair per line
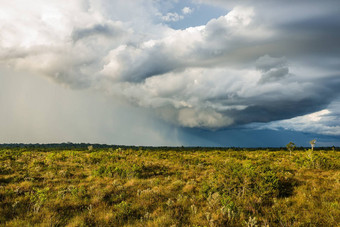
282, 109
274, 105
314, 37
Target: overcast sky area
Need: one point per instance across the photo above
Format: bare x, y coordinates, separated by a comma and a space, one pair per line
170, 72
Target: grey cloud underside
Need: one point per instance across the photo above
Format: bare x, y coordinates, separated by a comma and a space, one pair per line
282, 109
108, 30
247, 66
275, 106
273, 69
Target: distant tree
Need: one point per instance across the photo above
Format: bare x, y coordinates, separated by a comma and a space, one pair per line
290, 146
90, 148
312, 143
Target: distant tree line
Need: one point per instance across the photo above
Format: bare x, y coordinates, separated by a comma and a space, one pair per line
85, 146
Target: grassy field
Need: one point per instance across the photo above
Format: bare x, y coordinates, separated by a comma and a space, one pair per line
126, 187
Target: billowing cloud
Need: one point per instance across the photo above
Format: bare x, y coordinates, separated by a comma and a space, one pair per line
247, 66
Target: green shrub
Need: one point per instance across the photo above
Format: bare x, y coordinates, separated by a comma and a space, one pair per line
317, 160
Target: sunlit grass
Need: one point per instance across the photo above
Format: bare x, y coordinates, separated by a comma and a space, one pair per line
125, 187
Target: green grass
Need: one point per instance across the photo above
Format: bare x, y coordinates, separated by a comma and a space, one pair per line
125, 187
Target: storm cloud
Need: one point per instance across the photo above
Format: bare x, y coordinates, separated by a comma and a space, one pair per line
254, 64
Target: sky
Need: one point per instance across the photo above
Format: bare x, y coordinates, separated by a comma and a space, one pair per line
170, 72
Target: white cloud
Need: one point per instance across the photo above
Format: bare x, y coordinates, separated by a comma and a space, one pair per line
187, 10
172, 17
240, 16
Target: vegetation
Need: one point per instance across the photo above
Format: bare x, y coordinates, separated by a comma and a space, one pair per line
110, 186
290, 147
312, 143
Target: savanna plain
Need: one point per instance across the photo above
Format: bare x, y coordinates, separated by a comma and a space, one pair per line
169, 187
